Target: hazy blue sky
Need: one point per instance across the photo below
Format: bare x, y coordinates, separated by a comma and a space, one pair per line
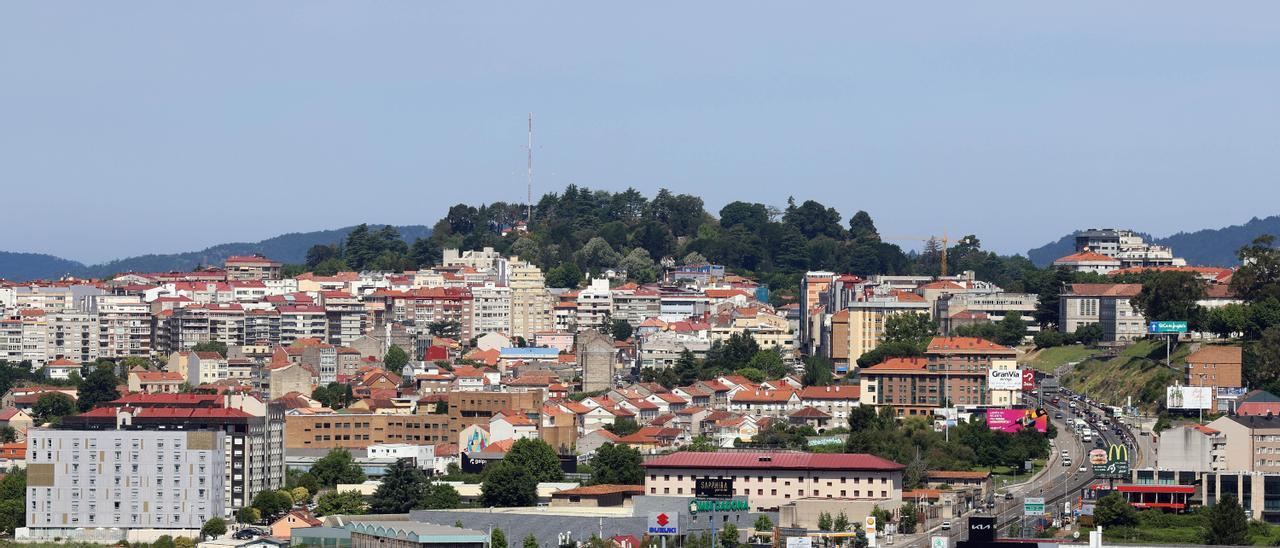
134, 127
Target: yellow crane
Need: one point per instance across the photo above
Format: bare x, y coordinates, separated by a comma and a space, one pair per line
942, 267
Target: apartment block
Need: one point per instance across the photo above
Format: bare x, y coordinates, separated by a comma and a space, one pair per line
254, 267
112, 481
531, 301
124, 326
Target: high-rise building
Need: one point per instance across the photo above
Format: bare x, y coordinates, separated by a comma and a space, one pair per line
124, 326
490, 309
83, 484
254, 433
531, 301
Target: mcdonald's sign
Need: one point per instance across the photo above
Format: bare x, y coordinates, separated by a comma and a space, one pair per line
1117, 463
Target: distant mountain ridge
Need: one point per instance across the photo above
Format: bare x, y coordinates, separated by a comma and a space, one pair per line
1207, 247
286, 248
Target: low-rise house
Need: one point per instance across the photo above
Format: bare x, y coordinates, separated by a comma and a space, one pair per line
155, 382
770, 403
295, 519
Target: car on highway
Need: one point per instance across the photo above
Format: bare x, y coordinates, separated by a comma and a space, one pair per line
1082, 469
1057, 415
1065, 453
946, 526
1008, 495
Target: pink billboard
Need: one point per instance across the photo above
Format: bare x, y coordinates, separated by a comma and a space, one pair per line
1013, 420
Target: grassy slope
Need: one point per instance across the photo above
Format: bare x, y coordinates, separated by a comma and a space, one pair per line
1049, 359
1136, 371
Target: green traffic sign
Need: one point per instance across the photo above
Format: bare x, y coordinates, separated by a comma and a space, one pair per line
1167, 326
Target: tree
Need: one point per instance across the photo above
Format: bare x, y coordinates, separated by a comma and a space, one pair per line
769, 362
338, 466
566, 275
8, 434
617, 464
729, 536
98, 387
449, 329
335, 395
817, 371
1049, 338
763, 528
1011, 329
1228, 525
51, 406
623, 426
340, 502
1114, 511
396, 358
620, 329
506, 484
184, 542
497, 539
824, 521
752, 374
300, 494
693, 258
400, 490
859, 539
13, 505
530, 541
298, 478
701, 444
211, 346
907, 518
596, 254
841, 523
213, 528
163, 541
271, 504
909, 327
1258, 277
440, 496
862, 227
1262, 359
537, 457
1170, 295
248, 515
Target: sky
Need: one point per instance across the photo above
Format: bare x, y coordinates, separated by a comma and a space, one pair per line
151, 127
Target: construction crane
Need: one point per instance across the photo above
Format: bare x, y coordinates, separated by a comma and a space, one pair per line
942, 267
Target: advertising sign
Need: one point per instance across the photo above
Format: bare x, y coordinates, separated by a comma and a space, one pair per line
981, 529
1004, 379
1116, 463
712, 488
1033, 506
1013, 420
1028, 379
1097, 457
718, 505
663, 523
1189, 397
938, 542
799, 542
871, 524
1167, 327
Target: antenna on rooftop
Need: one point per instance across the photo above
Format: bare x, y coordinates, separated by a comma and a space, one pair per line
529, 198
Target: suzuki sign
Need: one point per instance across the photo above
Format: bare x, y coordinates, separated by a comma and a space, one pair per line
1004, 379
663, 523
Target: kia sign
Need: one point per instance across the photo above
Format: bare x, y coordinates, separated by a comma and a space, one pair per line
663, 523
1028, 379
981, 529
1004, 379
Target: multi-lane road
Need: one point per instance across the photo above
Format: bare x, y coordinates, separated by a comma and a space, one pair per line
1057, 484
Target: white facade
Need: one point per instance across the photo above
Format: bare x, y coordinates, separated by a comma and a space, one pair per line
423, 456
122, 479
490, 309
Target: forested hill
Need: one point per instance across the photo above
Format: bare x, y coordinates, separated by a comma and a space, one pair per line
1208, 247
287, 248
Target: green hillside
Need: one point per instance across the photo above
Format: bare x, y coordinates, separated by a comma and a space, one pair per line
1138, 370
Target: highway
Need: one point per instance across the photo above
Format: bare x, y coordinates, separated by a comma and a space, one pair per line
1057, 484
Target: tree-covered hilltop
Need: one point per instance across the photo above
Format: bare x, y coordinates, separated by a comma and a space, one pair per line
580, 231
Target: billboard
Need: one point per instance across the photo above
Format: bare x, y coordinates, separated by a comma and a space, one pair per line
1115, 463
1028, 379
1188, 397
1013, 420
1004, 379
1167, 327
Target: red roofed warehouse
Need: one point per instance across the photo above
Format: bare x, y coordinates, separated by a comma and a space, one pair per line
770, 480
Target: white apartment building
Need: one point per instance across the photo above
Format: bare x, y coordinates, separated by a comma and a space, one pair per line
1127, 246
635, 305
124, 326
485, 259
112, 485
302, 321
72, 335
595, 303
490, 309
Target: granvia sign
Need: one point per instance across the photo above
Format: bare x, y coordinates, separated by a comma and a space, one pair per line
1004, 379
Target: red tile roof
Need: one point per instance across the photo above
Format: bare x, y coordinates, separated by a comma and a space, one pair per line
899, 364
837, 392
780, 460
1086, 256
965, 344
1104, 290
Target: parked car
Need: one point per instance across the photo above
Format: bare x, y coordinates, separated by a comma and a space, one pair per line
946, 526
248, 533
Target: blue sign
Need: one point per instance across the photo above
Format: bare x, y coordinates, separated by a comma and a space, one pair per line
1167, 327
